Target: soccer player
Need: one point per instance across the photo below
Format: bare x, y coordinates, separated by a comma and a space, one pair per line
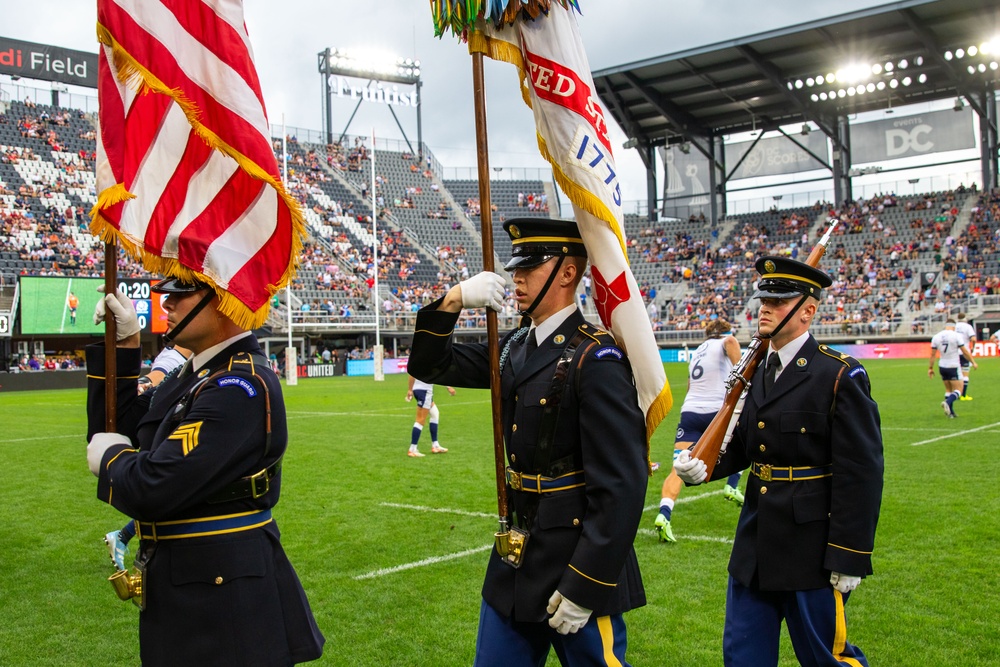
950, 345
968, 334
708, 369
72, 302
424, 393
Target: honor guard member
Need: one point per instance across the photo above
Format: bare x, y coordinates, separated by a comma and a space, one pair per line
576, 451
810, 434
197, 464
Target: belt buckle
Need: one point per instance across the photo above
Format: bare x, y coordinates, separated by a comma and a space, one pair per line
253, 484
764, 472
514, 479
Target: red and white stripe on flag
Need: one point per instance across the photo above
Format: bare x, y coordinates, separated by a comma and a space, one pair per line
573, 136
187, 179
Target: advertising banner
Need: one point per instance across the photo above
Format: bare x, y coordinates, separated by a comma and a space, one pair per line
47, 63
777, 155
907, 136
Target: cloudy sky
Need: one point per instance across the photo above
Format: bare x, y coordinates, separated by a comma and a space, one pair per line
288, 34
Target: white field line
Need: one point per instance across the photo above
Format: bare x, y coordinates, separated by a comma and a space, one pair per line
374, 574
442, 510
81, 436
693, 538
686, 499
406, 411
955, 435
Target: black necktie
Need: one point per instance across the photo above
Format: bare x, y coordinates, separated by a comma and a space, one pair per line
532, 343
773, 366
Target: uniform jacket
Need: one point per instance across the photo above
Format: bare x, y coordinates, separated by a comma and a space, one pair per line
792, 534
581, 539
227, 599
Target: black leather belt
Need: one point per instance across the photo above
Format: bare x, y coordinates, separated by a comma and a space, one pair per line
254, 486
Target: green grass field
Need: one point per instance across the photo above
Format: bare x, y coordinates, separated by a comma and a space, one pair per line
391, 550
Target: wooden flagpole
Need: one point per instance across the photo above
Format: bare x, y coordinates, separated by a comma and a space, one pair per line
110, 340
492, 335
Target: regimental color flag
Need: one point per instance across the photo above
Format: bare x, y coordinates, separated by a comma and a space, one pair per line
187, 180
573, 136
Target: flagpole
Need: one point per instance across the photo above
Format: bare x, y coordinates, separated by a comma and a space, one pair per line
377, 350
110, 340
291, 366
492, 336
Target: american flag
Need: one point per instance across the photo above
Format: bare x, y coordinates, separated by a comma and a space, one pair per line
187, 179
572, 135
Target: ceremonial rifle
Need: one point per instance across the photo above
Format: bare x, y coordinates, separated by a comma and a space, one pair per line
713, 442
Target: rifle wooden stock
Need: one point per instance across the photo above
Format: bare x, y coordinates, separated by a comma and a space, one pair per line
720, 430
709, 445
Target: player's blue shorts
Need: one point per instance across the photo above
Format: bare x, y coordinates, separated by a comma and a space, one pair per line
949, 374
691, 426
964, 363
425, 398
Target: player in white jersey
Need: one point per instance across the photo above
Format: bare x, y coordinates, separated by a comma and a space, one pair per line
968, 334
424, 393
950, 345
708, 368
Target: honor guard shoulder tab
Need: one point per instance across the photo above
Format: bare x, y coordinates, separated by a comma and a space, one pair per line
599, 335
845, 359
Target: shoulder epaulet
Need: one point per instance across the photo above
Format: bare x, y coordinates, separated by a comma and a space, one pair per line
600, 335
845, 359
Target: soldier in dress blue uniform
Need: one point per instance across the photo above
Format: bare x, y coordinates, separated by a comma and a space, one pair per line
196, 462
576, 447
810, 434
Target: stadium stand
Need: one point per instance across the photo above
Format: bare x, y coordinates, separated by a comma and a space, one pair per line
428, 235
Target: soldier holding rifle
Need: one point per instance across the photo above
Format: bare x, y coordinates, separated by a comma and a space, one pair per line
809, 432
576, 454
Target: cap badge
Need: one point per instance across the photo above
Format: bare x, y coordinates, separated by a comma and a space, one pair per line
769, 266
800, 362
515, 232
559, 340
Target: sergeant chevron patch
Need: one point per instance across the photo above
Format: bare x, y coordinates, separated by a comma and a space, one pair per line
187, 435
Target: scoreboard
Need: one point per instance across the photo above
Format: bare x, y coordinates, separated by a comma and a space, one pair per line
45, 305
148, 306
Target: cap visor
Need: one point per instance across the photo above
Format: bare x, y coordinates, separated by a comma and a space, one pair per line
525, 261
175, 286
774, 294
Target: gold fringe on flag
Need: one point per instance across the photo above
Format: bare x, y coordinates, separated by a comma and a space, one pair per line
132, 74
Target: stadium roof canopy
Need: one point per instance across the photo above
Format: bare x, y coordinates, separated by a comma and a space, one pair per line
762, 81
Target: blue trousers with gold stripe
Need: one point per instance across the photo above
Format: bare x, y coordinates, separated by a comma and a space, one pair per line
504, 642
816, 624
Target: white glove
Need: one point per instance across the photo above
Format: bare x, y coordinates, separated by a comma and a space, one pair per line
844, 583
99, 444
123, 311
567, 616
692, 471
483, 290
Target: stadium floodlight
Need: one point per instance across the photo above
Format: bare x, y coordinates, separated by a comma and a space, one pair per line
972, 50
377, 65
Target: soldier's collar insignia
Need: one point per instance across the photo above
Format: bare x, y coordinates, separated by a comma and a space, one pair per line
559, 339
203, 373
800, 362
769, 266
515, 232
